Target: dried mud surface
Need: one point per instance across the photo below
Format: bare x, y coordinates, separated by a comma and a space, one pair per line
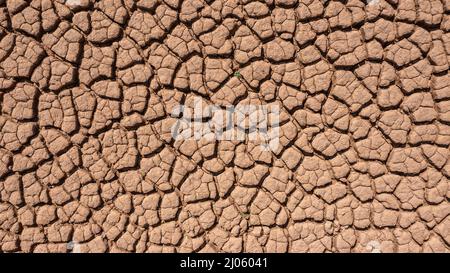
87, 162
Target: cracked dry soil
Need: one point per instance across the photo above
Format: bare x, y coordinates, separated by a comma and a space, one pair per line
87, 160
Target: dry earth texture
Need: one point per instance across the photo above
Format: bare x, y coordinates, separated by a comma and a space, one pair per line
88, 162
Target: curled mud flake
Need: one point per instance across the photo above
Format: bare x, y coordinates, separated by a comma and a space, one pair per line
350, 90
313, 172
316, 77
284, 21
279, 50
58, 111
402, 53
127, 54
54, 74
143, 28
406, 161
135, 99
421, 107
216, 72
374, 147
346, 49
115, 10
134, 182
442, 230
119, 148
148, 141
229, 93
330, 142
28, 21
255, 73
261, 26
198, 186
66, 42
14, 135
138, 74
383, 217
416, 77
332, 192
253, 176
361, 186
430, 12
23, 58
20, 102
11, 190
106, 111
56, 141
309, 237
104, 30
182, 42
410, 192
443, 109
197, 218
310, 208
217, 42
96, 64
390, 97
395, 125
437, 186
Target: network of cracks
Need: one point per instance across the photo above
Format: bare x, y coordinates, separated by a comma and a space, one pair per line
88, 162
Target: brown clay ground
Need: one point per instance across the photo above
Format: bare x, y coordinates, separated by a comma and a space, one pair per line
87, 162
